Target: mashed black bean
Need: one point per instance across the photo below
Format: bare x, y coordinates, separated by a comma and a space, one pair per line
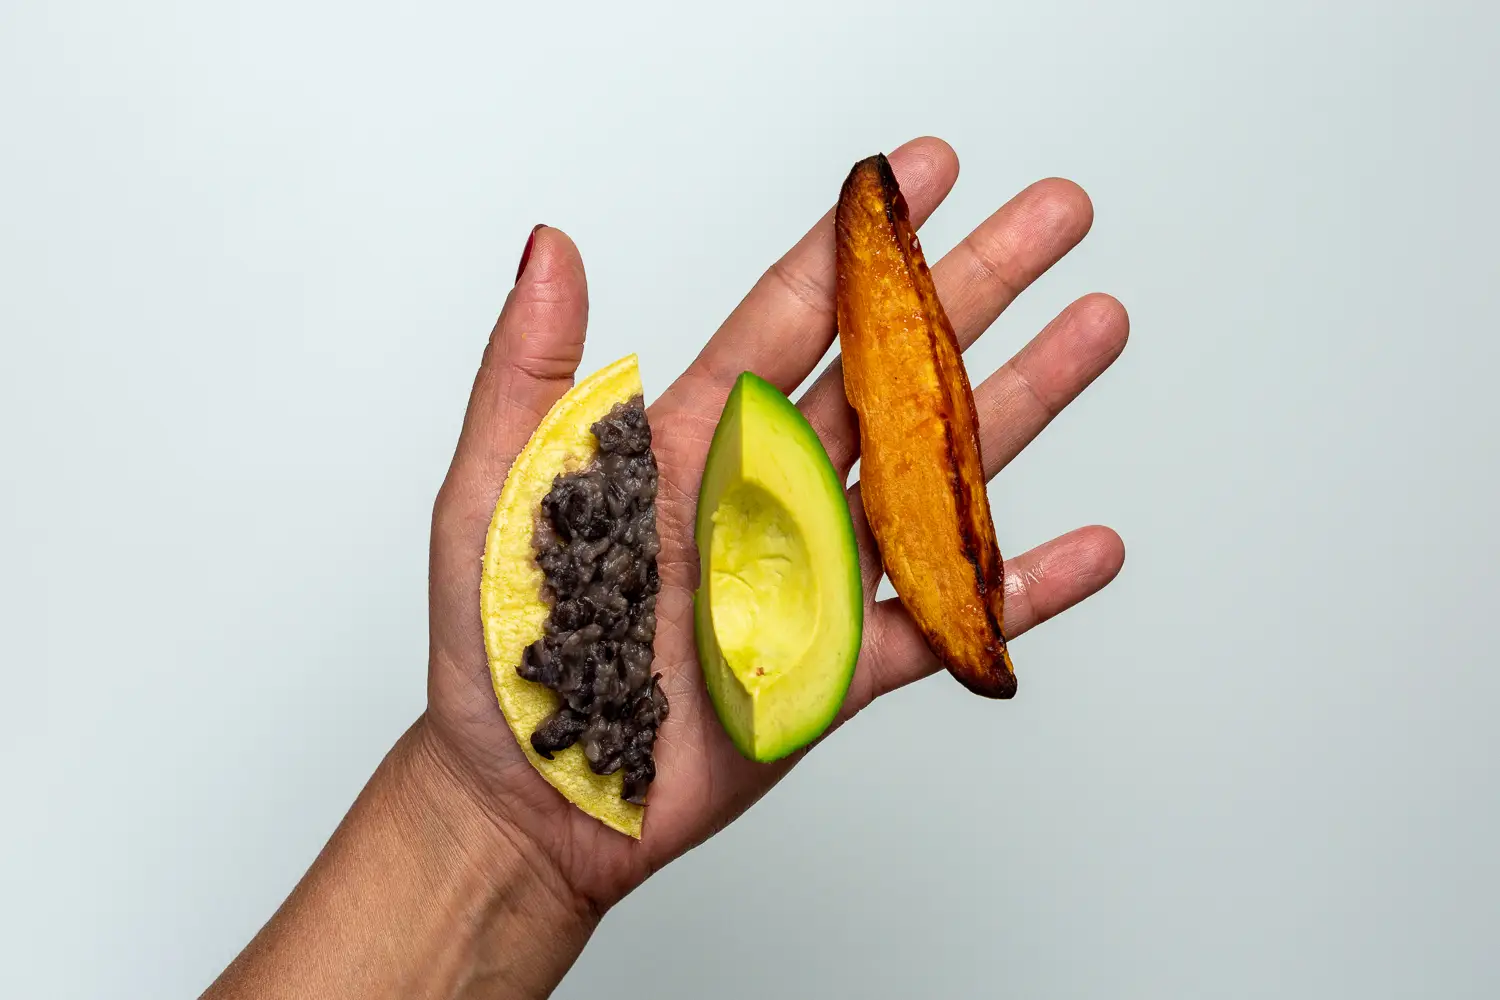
596, 544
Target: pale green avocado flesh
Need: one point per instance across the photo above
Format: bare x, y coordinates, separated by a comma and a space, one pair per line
779, 609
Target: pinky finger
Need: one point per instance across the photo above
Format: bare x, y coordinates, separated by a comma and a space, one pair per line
1039, 585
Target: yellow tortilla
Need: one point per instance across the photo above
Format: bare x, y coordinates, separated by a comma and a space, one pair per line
510, 591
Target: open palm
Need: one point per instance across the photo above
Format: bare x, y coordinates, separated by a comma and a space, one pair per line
780, 331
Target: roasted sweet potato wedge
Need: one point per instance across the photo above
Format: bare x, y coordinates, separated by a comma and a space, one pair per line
921, 477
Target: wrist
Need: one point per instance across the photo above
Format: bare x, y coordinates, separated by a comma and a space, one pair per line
515, 919
420, 892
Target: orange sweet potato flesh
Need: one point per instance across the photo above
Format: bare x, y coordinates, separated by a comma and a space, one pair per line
921, 478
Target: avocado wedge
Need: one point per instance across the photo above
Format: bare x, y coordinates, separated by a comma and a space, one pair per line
779, 610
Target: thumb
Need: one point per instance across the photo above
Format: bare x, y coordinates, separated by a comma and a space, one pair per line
532, 355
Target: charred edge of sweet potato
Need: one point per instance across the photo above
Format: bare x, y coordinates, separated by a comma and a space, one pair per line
989, 683
970, 499
896, 212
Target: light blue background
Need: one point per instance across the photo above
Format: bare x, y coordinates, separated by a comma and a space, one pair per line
248, 258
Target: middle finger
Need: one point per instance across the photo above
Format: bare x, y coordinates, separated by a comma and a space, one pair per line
975, 281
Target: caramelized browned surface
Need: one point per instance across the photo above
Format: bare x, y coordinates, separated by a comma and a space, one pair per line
921, 477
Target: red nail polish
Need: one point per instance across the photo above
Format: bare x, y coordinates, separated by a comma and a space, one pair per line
526, 253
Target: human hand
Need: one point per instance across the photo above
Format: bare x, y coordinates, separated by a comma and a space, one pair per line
780, 331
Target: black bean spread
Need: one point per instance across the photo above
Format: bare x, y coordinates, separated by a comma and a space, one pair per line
596, 544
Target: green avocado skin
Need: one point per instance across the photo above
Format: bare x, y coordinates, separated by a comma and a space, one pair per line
763, 447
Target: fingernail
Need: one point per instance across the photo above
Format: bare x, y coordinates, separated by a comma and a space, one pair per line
526, 254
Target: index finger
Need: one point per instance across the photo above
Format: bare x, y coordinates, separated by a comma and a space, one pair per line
784, 326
